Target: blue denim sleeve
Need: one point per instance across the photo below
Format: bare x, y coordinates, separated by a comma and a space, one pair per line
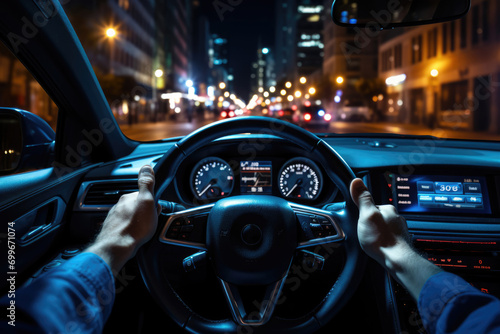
76, 297
448, 304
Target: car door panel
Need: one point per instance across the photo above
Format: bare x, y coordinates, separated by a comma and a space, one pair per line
34, 216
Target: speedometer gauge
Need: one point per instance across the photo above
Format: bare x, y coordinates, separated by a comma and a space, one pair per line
300, 178
212, 178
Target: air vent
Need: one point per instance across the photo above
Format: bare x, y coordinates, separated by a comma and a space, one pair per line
108, 193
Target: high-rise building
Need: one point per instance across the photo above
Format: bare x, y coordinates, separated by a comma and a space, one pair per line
349, 53
285, 40
299, 47
309, 37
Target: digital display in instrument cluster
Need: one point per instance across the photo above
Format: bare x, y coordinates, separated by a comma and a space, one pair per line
256, 177
429, 194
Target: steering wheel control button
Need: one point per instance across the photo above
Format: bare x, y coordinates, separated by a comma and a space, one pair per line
187, 229
251, 234
311, 260
191, 263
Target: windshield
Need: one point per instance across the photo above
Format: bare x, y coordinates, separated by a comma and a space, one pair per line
170, 67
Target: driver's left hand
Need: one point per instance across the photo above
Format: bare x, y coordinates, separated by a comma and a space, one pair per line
129, 224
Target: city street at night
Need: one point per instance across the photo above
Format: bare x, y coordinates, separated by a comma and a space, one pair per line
258, 166
167, 129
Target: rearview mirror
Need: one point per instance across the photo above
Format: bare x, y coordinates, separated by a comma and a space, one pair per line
26, 141
388, 14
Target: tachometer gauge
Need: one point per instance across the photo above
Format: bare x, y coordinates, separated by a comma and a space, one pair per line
300, 178
212, 178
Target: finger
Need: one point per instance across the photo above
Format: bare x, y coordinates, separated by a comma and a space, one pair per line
361, 196
146, 180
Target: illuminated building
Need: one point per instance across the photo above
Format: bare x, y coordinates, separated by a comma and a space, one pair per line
451, 72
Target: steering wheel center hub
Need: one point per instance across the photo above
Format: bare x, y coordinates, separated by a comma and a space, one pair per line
251, 239
251, 234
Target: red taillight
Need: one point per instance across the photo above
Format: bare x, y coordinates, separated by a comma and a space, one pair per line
231, 114
328, 117
307, 103
307, 117
281, 113
223, 114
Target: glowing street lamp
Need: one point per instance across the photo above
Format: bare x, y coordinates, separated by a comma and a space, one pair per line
283, 92
434, 73
290, 98
158, 73
111, 33
298, 94
272, 89
222, 85
340, 80
312, 90
303, 80
288, 84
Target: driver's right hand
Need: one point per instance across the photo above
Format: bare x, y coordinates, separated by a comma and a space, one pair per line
380, 227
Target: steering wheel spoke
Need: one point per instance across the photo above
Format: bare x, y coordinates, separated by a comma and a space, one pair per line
263, 308
317, 227
187, 228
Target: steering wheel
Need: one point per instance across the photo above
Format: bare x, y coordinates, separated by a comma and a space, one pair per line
251, 240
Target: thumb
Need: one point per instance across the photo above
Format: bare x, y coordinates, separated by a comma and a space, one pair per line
146, 180
360, 195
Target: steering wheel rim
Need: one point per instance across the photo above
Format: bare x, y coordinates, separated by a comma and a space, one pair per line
335, 167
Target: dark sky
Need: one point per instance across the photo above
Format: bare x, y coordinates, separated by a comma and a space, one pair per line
248, 22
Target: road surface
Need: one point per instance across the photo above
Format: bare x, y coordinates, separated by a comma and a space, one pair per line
167, 129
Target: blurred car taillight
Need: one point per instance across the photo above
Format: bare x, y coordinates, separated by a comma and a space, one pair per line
327, 117
281, 113
223, 114
231, 114
307, 117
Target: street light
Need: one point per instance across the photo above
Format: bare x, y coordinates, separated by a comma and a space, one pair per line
272, 89
298, 94
283, 92
288, 84
340, 80
312, 90
290, 98
222, 85
303, 80
111, 33
226, 94
189, 83
434, 73
158, 73
265, 51
261, 89
266, 94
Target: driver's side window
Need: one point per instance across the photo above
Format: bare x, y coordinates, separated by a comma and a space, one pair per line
28, 119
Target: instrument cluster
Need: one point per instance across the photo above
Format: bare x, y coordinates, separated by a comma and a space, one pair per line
297, 179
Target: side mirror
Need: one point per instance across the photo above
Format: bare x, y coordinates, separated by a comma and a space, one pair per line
26, 141
388, 14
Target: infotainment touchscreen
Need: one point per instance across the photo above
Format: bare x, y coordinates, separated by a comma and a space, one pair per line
432, 193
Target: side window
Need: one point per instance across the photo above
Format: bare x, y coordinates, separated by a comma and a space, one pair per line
28, 119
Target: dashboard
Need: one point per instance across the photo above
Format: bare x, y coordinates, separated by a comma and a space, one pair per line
450, 195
